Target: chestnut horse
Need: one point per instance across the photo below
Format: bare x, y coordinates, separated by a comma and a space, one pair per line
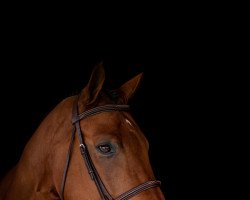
111, 164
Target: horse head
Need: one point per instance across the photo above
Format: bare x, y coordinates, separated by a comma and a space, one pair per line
105, 157
117, 150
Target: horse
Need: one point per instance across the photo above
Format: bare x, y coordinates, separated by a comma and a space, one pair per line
89, 147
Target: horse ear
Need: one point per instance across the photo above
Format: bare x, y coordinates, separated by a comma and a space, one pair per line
94, 86
129, 88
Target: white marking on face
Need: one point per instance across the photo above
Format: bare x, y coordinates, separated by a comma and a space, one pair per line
129, 122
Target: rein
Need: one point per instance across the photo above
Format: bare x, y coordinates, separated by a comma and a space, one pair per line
76, 118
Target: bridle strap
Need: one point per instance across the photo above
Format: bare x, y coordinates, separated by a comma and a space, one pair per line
90, 166
140, 188
67, 162
76, 118
99, 109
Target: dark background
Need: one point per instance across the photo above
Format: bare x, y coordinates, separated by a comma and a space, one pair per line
180, 105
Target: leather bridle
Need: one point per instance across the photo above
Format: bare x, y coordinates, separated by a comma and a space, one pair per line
76, 118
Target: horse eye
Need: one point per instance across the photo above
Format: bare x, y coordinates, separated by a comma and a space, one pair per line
105, 148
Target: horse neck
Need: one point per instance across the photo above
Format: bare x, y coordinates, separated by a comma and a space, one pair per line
40, 166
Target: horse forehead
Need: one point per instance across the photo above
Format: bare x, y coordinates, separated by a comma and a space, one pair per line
110, 121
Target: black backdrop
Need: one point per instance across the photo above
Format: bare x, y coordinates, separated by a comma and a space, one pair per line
176, 105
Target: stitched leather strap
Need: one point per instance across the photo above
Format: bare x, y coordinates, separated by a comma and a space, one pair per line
99, 109
67, 162
140, 188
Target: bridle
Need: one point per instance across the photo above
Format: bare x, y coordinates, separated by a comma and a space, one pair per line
76, 118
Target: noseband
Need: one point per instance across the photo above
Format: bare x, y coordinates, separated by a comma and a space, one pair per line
76, 118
